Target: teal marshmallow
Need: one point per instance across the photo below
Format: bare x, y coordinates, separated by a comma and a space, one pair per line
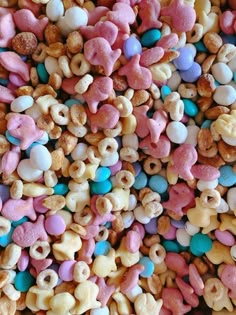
200, 46
148, 267
165, 91
206, 124
150, 37
61, 189
12, 139
19, 222
200, 243
171, 246
190, 108
140, 181
227, 176
6, 239
100, 188
102, 173
42, 73
102, 248
158, 184
23, 281
72, 101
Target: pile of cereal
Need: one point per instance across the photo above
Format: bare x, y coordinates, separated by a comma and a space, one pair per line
117, 157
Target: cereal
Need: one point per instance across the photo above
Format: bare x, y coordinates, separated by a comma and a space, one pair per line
117, 152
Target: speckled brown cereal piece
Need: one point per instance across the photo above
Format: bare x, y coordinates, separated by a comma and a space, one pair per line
206, 85
213, 42
216, 160
214, 112
227, 152
52, 34
204, 103
74, 42
25, 43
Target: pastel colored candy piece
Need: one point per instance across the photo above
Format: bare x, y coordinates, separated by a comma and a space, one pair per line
184, 157
13, 63
180, 195
23, 262
6, 95
157, 150
185, 59
188, 293
10, 160
182, 15
205, 172
131, 47
121, 15
38, 204
23, 127
4, 193
55, 224
225, 237
16, 79
149, 11
26, 21
66, 270
106, 30
98, 52
192, 74
16, 209
131, 278
28, 233
173, 301
138, 77
7, 29
151, 55
176, 263
228, 278
98, 91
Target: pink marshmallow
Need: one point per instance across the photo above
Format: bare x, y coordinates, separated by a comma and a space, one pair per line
140, 113
6, 95
40, 264
149, 11
183, 16
23, 262
150, 56
28, 233
98, 91
10, 160
173, 301
157, 150
99, 53
195, 280
105, 291
132, 241
7, 29
33, 7
157, 124
23, 127
168, 41
86, 251
188, 293
106, 30
177, 263
130, 280
68, 85
121, 15
138, 77
38, 204
12, 62
96, 14
184, 157
27, 22
228, 278
16, 209
205, 172
227, 20
180, 195
16, 79
107, 116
